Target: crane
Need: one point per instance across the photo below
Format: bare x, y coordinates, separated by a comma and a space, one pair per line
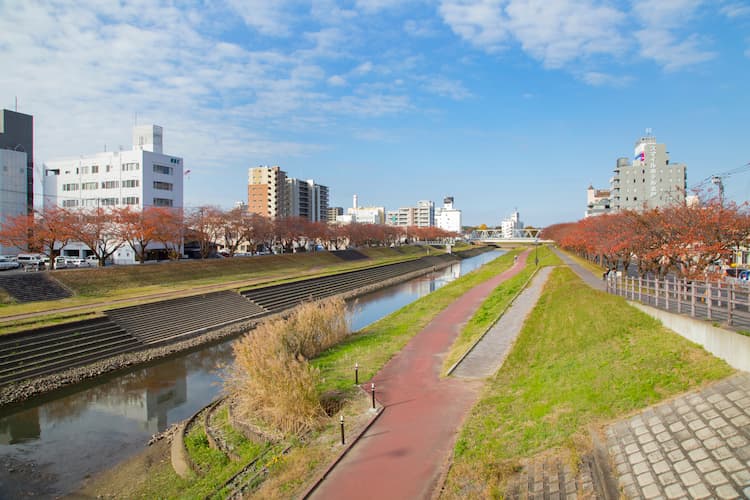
718, 180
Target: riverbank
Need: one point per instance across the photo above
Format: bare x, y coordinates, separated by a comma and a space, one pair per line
23, 390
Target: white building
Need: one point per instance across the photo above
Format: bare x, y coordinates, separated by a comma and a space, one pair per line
362, 215
448, 218
423, 215
141, 177
511, 225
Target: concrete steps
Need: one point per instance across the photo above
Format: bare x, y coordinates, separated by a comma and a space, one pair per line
33, 286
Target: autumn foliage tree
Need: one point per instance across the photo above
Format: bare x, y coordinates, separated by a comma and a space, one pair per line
44, 231
683, 239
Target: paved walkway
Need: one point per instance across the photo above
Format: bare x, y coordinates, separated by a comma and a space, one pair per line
587, 276
489, 354
404, 452
695, 446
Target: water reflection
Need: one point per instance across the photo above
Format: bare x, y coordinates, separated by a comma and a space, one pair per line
50, 445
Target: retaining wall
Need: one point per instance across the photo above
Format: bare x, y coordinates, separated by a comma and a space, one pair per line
730, 346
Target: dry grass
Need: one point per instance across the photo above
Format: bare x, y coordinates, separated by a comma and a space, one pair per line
272, 380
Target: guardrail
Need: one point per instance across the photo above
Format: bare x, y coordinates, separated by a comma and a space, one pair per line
725, 302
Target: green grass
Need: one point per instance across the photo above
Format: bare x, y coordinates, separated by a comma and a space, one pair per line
495, 305
377, 343
582, 358
214, 467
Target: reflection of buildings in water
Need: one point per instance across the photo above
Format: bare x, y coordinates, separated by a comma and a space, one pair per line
20, 427
149, 401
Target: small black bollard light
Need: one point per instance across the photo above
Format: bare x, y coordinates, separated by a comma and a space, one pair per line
342, 430
356, 373
373, 396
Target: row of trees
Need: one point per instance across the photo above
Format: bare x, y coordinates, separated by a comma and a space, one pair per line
104, 231
686, 240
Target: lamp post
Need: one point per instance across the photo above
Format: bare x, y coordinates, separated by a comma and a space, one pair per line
536, 250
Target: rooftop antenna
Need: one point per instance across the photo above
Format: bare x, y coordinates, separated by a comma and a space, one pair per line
16, 104
649, 132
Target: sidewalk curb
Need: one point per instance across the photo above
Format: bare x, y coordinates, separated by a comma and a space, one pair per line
494, 322
311, 489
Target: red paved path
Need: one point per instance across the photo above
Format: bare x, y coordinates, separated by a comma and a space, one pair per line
403, 453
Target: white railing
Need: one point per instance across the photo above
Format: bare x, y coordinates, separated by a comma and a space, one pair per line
726, 302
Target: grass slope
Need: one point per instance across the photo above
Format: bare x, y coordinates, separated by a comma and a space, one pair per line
583, 357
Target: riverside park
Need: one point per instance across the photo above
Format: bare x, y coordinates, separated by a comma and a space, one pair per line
383, 372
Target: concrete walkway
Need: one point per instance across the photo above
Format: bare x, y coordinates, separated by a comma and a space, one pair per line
402, 455
587, 276
489, 354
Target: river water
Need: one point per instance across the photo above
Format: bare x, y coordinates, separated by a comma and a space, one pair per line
51, 443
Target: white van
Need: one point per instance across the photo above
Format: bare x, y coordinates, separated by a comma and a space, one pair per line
32, 260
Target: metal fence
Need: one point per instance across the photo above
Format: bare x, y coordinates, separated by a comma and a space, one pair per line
722, 302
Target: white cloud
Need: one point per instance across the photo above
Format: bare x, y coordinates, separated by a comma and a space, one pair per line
555, 32
480, 23
598, 79
371, 6
419, 28
735, 9
672, 54
364, 68
337, 81
269, 18
448, 88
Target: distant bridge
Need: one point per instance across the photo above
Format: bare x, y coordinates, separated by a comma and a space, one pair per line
496, 236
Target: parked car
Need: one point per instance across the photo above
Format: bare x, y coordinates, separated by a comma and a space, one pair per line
61, 262
77, 262
32, 260
8, 263
93, 260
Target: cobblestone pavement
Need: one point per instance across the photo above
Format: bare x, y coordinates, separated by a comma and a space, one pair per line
695, 446
489, 353
553, 479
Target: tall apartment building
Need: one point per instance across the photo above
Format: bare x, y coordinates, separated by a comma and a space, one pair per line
141, 177
650, 180
333, 213
422, 215
447, 217
16, 167
306, 199
266, 191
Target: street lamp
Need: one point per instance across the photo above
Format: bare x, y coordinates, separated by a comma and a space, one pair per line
536, 250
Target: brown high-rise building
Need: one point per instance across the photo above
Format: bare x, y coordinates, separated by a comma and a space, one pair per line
266, 188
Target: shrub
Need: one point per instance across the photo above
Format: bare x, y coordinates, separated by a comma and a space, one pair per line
271, 379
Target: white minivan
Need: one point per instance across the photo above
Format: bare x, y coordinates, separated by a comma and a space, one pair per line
32, 260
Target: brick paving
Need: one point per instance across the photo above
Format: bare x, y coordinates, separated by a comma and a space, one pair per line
694, 446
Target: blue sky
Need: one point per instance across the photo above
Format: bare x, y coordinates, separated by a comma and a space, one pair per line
502, 104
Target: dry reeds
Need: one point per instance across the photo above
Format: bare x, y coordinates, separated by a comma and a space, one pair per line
272, 379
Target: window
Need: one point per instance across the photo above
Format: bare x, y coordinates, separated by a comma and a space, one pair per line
84, 170
162, 202
91, 202
70, 187
131, 200
108, 168
69, 203
110, 184
131, 183
174, 160
161, 169
108, 202
94, 169
130, 167
164, 186
89, 185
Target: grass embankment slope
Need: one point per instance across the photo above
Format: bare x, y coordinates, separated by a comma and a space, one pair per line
95, 289
583, 358
495, 305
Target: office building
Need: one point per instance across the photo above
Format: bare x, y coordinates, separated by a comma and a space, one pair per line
650, 180
138, 178
447, 217
16, 168
362, 215
333, 213
511, 226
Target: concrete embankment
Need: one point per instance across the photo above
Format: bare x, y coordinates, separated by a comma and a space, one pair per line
385, 276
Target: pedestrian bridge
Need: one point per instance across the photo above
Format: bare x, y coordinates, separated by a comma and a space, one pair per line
518, 236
